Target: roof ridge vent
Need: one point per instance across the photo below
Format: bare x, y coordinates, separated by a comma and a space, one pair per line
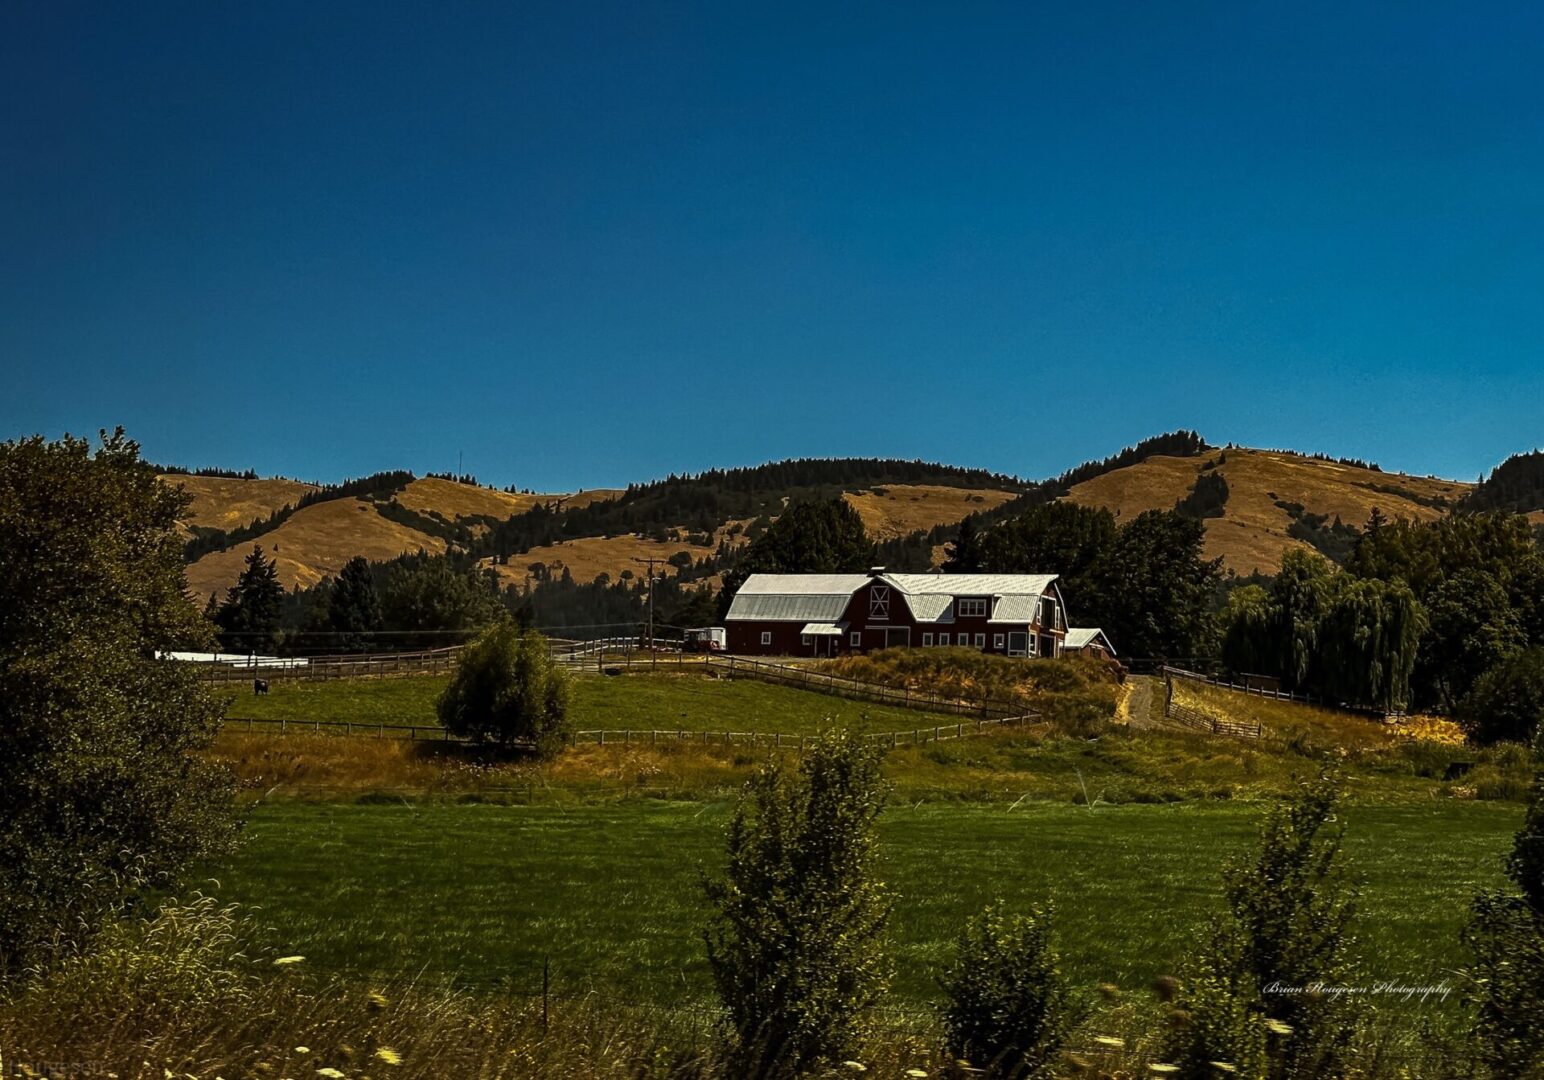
876, 571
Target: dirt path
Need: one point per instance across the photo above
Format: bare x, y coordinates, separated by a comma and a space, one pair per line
1143, 699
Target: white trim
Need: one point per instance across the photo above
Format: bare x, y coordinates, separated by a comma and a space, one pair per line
980, 641
766, 637
855, 639
927, 638
999, 641
943, 639
979, 607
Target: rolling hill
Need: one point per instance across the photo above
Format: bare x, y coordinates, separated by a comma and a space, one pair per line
1273, 499
1261, 504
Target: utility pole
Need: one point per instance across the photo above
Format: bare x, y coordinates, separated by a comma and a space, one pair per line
650, 561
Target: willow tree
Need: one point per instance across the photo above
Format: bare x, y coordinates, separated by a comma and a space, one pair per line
1370, 635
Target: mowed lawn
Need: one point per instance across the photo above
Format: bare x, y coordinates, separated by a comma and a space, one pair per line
481, 894
614, 703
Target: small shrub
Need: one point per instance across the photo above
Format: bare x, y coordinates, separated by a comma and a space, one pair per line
1009, 1009
1287, 931
507, 690
795, 945
1507, 702
1506, 937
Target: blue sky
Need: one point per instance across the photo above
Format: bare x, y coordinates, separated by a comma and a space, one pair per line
584, 244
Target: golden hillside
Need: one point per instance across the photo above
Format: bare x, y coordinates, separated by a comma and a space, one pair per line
314, 543
317, 540
221, 502
902, 509
1251, 534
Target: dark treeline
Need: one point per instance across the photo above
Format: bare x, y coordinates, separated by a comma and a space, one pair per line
700, 503
1517, 484
183, 470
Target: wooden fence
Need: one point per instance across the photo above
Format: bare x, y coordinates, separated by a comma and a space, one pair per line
322, 668
1200, 721
1278, 695
738, 667
639, 737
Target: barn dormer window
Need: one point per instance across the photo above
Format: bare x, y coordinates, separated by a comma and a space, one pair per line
970, 607
879, 602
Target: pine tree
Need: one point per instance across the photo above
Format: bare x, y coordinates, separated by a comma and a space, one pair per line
353, 607
249, 617
965, 549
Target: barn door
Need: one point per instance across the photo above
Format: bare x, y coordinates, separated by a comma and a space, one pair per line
1018, 643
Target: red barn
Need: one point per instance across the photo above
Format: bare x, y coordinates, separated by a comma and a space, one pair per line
832, 614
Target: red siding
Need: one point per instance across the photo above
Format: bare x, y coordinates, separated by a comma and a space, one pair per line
744, 635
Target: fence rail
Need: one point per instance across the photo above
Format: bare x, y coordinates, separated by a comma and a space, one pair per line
641, 737
737, 667
1276, 695
322, 668
1200, 721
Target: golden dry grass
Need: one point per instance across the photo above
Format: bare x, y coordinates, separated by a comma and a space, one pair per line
314, 543
1251, 535
452, 500
902, 509
221, 502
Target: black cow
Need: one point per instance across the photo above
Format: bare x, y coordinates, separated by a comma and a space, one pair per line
259, 686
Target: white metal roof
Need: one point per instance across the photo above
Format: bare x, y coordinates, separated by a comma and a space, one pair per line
1081, 636
824, 597
795, 597
824, 628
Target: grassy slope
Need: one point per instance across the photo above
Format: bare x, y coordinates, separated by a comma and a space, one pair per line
901, 509
1252, 532
636, 701
483, 893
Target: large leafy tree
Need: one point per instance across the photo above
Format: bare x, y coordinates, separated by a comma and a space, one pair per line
507, 689
433, 601
102, 792
1507, 702
1152, 588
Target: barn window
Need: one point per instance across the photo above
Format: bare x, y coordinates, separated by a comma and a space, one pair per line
997, 641
766, 637
1034, 641
855, 639
808, 639
943, 639
971, 608
927, 639
980, 641
879, 602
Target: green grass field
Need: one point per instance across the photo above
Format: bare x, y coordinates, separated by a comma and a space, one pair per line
634, 701
480, 894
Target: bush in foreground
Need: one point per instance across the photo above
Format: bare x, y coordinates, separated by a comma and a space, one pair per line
507, 690
1507, 939
1266, 984
1008, 1010
795, 946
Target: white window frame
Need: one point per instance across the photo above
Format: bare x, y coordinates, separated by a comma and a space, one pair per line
980, 641
943, 639
970, 607
999, 641
1034, 644
806, 639
927, 638
766, 637
855, 639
